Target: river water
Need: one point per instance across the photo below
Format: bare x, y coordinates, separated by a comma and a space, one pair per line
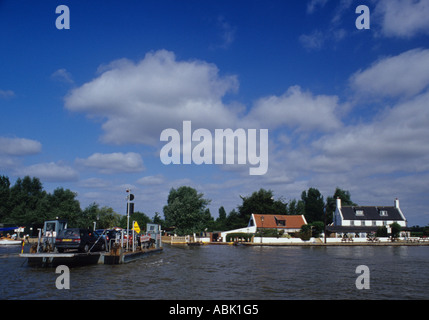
215, 272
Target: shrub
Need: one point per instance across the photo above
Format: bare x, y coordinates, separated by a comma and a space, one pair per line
305, 232
273, 233
381, 232
396, 229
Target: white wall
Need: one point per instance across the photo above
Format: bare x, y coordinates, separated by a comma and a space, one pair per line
243, 230
273, 240
378, 223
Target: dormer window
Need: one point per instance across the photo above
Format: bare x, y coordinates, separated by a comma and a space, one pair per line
280, 223
383, 213
359, 213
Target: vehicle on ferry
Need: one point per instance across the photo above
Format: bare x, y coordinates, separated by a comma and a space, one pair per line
82, 240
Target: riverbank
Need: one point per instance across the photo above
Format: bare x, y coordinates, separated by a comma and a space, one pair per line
316, 244
271, 241
332, 244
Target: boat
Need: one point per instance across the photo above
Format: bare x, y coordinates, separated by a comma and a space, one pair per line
6, 242
122, 251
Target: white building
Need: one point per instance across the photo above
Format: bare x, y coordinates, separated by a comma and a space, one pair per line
362, 220
287, 223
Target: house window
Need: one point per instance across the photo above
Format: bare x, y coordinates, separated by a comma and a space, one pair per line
280, 223
359, 213
383, 213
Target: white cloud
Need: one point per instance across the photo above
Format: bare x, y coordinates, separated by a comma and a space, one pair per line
406, 74
227, 32
395, 141
313, 4
152, 180
113, 162
5, 94
19, 146
403, 18
52, 172
313, 41
62, 75
342, 9
298, 110
332, 32
94, 183
377, 159
139, 100
7, 162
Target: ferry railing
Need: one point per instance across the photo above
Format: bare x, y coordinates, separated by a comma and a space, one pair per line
45, 243
101, 236
39, 239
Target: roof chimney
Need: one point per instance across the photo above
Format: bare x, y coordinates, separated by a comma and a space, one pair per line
338, 203
397, 203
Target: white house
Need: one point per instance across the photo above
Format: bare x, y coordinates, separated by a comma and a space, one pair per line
288, 223
362, 220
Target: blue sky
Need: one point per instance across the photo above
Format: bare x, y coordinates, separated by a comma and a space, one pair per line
83, 108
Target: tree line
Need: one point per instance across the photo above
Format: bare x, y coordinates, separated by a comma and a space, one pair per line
186, 210
27, 203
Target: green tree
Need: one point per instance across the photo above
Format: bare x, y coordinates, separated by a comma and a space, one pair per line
381, 232
296, 207
305, 232
396, 229
260, 202
158, 220
4, 197
62, 204
317, 228
331, 202
104, 217
87, 218
107, 218
426, 231
234, 221
27, 202
141, 218
220, 223
186, 210
314, 205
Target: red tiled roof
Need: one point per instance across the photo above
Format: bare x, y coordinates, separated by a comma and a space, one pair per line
276, 221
